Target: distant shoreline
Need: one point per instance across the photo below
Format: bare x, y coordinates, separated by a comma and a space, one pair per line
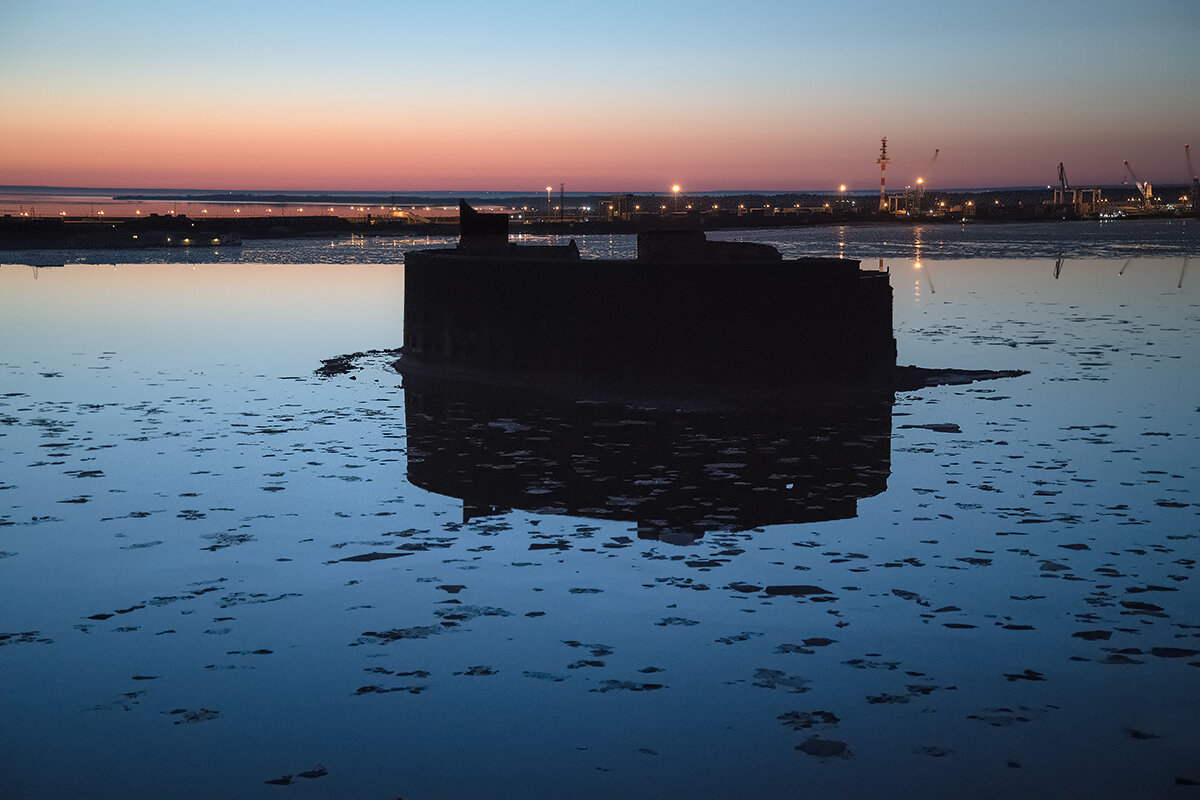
863, 198
71, 217
142, 232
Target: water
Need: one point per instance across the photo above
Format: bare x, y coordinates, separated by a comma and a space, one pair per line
1126, 238
215, 571
969, 240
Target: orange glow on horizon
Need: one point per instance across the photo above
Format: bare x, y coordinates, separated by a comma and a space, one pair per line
291, 147
295, 149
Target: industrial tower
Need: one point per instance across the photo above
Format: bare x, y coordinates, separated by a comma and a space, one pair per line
882, 161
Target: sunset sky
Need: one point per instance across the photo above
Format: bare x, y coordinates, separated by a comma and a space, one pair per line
613, 95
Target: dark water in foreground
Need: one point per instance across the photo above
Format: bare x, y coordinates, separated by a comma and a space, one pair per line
223, 576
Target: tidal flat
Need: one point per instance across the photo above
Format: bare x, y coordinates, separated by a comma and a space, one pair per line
222, 574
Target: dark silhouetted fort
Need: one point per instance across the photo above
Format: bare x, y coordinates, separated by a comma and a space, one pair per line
686, 312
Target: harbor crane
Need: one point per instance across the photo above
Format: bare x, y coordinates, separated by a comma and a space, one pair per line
919, 192
932, 161
1064, 186
1144, 189
1060, 194
1080, 201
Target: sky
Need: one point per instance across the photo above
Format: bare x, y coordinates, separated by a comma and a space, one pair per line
629, 95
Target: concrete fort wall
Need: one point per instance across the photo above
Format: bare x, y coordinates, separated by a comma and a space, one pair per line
640, 322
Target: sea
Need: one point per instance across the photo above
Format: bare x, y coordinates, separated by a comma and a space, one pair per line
223, 574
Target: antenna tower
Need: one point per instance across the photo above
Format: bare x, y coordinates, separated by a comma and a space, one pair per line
882, 161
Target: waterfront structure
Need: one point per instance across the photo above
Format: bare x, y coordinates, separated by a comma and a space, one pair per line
686, 313
619, 207
1081, 202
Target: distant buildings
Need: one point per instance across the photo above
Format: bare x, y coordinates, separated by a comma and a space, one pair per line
619, 207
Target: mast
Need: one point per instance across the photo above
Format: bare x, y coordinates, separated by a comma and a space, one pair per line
882, 161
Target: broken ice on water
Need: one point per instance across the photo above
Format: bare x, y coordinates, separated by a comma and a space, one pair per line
238, 569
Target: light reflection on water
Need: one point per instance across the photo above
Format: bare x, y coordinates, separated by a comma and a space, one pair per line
1129, 238
189, 520
1081, 239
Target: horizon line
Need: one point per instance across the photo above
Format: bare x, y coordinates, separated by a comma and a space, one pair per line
15, 188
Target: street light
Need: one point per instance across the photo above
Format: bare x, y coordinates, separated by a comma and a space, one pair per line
675, 202
548, 191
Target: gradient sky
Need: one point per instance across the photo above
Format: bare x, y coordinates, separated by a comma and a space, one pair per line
606, 95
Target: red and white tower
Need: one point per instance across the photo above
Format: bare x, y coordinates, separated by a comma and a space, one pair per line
882, 161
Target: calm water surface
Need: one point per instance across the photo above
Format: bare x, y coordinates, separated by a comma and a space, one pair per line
1124, 239
218, 575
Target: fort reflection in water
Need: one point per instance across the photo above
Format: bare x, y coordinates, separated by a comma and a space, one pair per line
675, 473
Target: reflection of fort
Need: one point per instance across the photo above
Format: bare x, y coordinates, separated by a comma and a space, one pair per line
498, 335
677, 474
